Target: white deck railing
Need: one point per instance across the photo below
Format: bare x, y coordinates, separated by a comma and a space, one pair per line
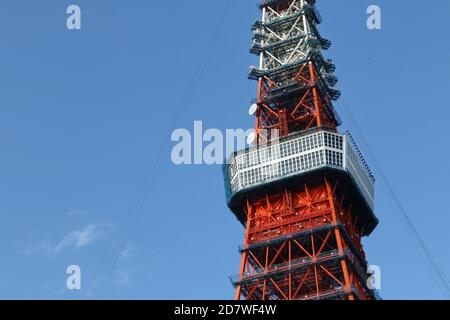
300, 154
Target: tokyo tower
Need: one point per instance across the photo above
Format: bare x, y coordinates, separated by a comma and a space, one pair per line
303, 192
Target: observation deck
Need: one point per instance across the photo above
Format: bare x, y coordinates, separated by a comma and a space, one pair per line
295, 158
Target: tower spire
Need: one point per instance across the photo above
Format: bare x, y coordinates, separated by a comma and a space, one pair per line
296, 83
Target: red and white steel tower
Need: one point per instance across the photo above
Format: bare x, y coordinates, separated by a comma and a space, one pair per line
305, 198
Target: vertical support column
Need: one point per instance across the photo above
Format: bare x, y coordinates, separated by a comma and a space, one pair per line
290, 270
260, 83
244, 254
284, 130
317, 111
258, 111
305, 21
338, 235
266, 266
261, 55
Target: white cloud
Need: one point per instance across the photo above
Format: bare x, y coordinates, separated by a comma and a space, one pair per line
78, 238
123, 278
127, 251
33, 249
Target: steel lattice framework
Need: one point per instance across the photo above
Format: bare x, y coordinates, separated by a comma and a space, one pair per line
306, 200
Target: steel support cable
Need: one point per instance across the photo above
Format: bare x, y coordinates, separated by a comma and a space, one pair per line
135, 210
412, 232
438, 276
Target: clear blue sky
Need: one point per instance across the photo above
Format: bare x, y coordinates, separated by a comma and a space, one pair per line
84, 113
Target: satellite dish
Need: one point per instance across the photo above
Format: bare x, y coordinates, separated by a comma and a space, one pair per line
253, 109
251, 138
